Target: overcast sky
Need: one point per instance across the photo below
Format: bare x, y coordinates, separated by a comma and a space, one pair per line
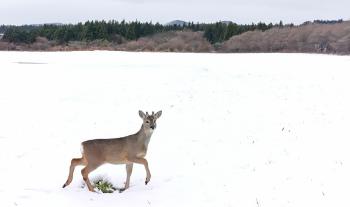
163, 11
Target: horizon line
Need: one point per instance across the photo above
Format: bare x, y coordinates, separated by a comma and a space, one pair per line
197, 22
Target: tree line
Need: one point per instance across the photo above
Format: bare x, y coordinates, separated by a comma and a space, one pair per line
115, 31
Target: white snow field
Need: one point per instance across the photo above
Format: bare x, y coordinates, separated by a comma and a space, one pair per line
241, 130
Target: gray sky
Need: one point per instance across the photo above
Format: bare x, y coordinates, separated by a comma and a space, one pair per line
163, 11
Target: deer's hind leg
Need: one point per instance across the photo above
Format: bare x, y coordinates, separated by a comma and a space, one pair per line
85, 173
128, 174
74, 163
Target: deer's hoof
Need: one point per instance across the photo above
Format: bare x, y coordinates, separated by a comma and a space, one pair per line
148, 178
64, 185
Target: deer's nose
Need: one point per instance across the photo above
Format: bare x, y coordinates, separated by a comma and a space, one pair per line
153, 127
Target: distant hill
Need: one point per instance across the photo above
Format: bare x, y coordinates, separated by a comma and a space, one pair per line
177, 22
226, 22
181, 23
55, 24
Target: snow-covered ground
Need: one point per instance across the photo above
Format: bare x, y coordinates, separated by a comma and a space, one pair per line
259, 130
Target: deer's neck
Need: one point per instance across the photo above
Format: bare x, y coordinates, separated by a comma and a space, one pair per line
144, 135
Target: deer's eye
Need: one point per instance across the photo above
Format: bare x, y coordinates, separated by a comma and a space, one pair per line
147, 122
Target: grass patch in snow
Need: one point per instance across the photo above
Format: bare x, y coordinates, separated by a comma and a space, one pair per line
103, 185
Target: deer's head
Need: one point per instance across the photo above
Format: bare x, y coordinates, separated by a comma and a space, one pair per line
149, 121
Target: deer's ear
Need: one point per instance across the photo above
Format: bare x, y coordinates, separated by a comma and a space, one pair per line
142, 115
158, 114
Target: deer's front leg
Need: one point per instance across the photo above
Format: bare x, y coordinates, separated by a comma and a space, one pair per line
144, 162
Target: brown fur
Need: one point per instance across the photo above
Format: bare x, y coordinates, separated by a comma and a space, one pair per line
125, 150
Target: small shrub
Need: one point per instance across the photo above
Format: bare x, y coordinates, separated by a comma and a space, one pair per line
104, 185
41, 43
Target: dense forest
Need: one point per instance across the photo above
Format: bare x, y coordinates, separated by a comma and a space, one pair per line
320, 36
114, 31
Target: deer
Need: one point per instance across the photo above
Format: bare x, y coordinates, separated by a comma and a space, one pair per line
124, 150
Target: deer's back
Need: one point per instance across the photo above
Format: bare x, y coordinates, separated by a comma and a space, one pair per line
113, 151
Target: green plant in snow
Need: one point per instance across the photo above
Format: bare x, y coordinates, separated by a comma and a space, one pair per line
104, 185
